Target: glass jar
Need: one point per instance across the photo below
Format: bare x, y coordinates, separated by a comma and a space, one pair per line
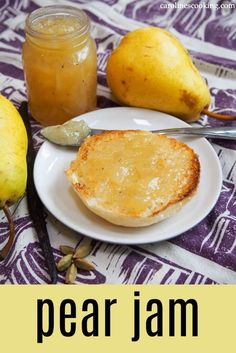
59, 60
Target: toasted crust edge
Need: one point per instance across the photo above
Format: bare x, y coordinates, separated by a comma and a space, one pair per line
135, 220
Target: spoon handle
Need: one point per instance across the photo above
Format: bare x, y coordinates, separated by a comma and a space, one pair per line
228, 133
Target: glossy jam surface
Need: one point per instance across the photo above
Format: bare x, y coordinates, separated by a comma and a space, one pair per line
133, 173
57, 25
60, 69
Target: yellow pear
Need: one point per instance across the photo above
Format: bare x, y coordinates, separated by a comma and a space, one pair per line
13, 148
152, 69
13, 168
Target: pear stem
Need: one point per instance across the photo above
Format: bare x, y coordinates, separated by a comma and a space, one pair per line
218, 116
7, 247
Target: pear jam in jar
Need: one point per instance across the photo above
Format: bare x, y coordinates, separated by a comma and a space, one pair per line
59, 59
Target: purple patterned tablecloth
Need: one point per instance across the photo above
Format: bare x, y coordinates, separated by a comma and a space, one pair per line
205, 254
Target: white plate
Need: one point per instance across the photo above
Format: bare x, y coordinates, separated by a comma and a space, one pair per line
61, 200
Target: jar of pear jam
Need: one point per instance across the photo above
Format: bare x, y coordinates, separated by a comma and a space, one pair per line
59, 60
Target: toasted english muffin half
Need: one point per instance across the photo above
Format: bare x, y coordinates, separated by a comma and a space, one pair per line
134, 178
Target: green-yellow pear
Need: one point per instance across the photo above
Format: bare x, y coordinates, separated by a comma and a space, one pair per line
13, 149
152, 69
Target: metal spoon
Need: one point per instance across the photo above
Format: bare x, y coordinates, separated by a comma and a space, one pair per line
73, 133
228, 133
